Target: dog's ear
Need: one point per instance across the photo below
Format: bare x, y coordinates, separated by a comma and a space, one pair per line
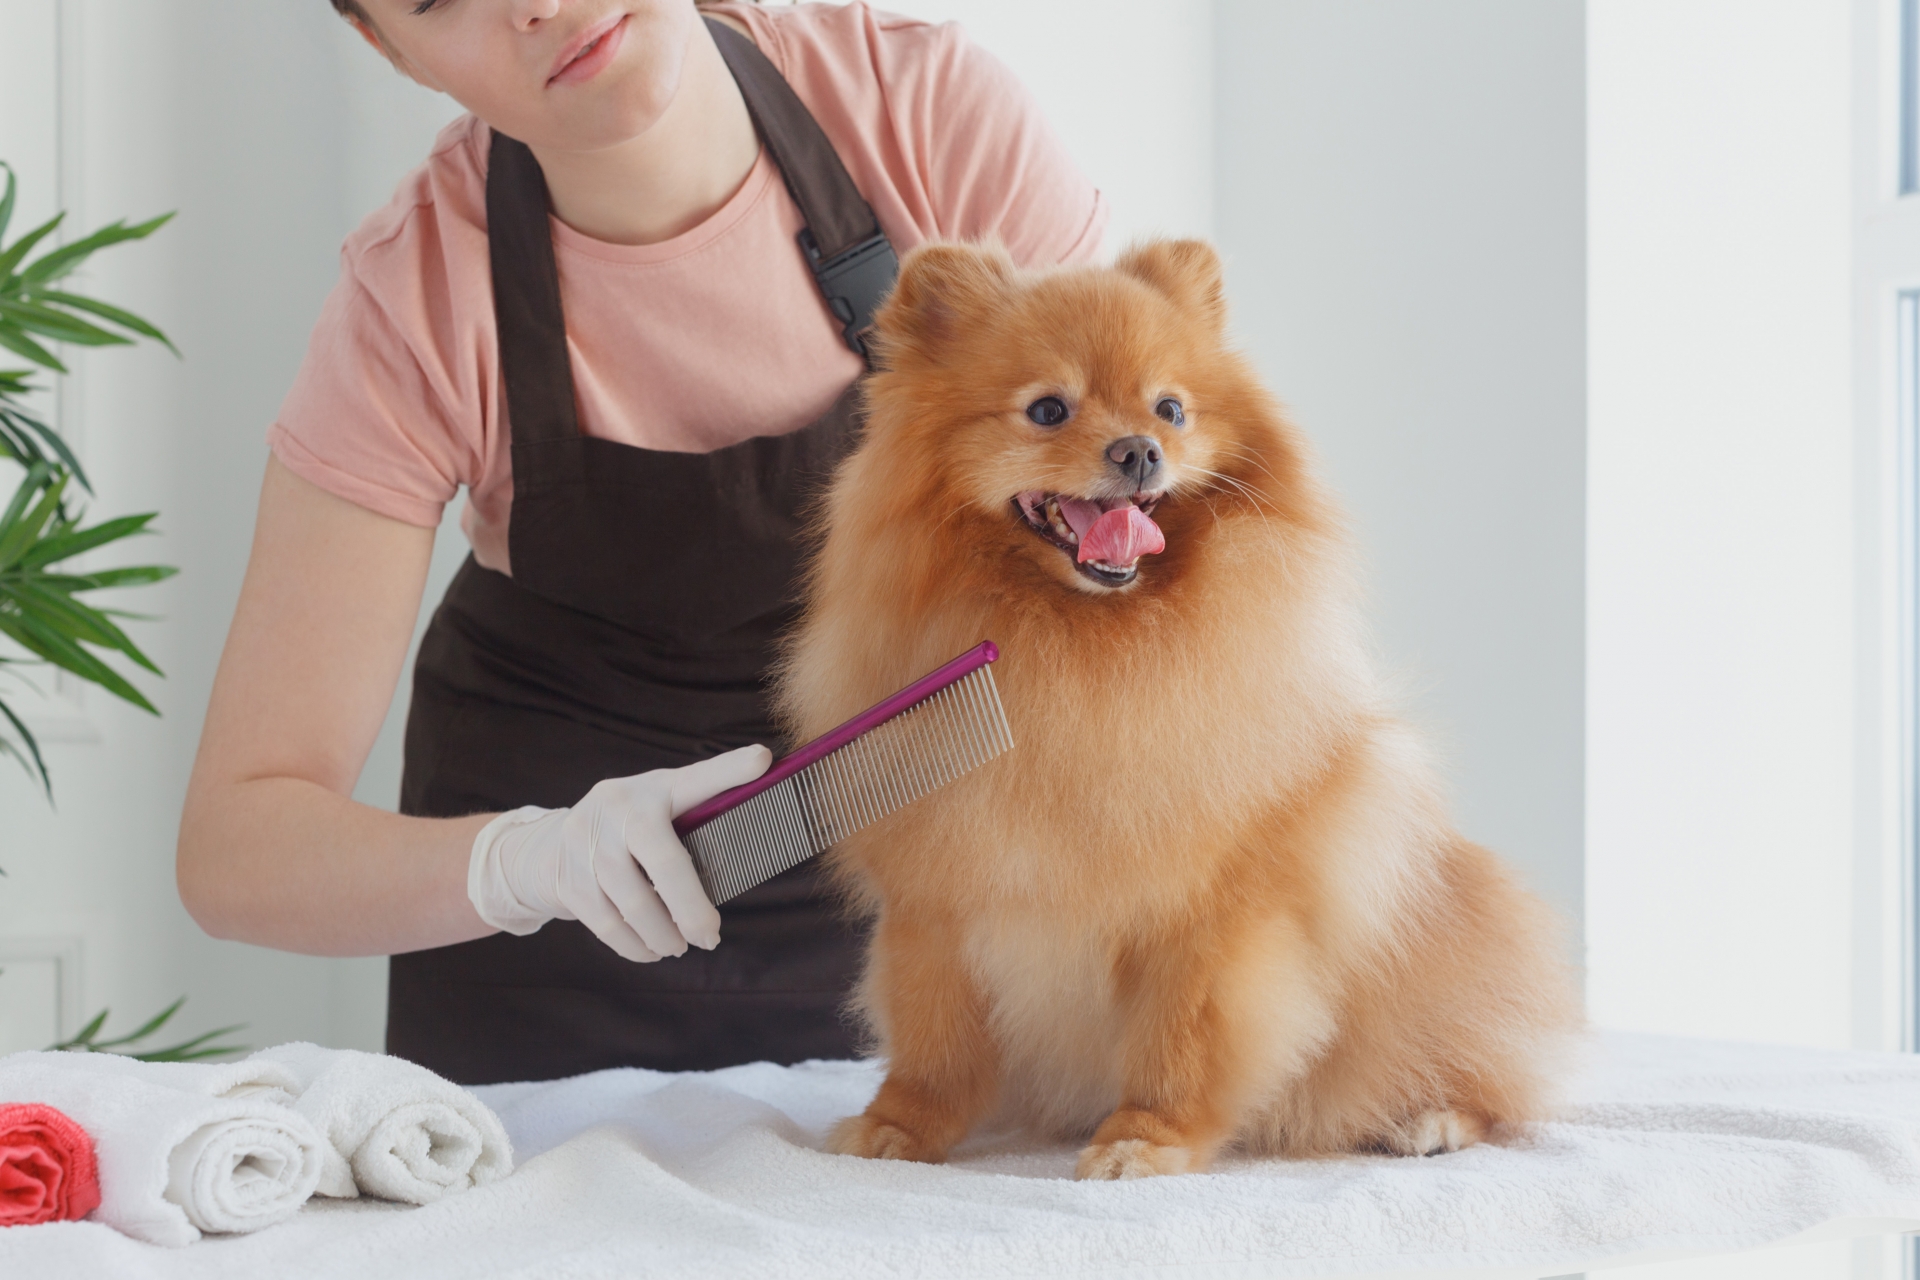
1188, 271
942, 288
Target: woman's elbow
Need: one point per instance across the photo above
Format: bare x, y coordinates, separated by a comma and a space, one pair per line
200, 871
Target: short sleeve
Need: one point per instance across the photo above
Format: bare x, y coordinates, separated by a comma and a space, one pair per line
995, 168
362, 420
944, 140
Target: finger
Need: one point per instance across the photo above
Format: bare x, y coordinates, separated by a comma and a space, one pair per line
623, 882
676, 884
706, 779
598, 913
592, 830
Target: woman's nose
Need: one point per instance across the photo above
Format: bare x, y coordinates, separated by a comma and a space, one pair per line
528, 14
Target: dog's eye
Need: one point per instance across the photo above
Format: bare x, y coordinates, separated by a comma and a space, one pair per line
1169, 410
1048, 411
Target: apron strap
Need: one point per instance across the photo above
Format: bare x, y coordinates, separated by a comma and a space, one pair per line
835, 211
850, 256
526, 297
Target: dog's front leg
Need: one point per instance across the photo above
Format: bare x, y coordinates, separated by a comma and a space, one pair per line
942, 1070
1198, 1042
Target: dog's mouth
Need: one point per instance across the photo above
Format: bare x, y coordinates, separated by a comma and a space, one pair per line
1105, 536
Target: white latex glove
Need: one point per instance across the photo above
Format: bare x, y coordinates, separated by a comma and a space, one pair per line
611, 862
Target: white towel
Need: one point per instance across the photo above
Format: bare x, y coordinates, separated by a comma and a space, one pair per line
394, 1129
177, 1158
1671, 1147
254, 1077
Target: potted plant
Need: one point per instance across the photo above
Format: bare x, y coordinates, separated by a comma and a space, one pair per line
42, 530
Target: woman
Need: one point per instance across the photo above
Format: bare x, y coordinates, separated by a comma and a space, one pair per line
622, 304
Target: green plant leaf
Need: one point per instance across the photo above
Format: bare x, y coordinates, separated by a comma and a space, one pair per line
133, 576
191, 1050
212, 1051
35, 601
29, 428
18, 531
20, 344
64, 259
147, 1028
74, 583
62, 546
198, 1049
39, 609
38, 477
47, 642
49, 323
88, 1032
173, 1052
37, 764
75, 620
125, 319
12, 257
17, 446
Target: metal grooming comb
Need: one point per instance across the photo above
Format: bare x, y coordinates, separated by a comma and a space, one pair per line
942, 725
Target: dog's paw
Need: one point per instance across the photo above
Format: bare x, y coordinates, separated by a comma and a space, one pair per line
1432, 1132
876, 1139
1130, 1158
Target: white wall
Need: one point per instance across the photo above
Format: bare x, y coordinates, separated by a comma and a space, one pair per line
1886, 262
1721, 524
1400, 199
1128, 83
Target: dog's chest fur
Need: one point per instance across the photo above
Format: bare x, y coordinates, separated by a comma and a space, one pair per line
1054, 1017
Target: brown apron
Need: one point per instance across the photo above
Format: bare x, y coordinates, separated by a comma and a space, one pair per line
636, 633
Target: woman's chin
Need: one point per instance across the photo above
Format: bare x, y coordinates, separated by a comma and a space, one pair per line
620, 104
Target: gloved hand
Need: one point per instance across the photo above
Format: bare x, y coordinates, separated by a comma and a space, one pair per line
611, 862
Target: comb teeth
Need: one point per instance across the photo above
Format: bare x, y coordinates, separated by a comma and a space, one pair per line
950, 732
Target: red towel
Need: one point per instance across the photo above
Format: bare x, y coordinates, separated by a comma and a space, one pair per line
47, 1169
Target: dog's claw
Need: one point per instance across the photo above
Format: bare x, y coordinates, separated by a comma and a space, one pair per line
1432, 1133
1130, 1158
876, 1139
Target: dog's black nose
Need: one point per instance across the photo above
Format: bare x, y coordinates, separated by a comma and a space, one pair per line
1137, 458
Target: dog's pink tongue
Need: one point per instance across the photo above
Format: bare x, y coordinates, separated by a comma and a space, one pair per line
1121, 536
1080, 514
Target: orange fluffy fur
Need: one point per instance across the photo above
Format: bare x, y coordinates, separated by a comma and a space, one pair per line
1213, 895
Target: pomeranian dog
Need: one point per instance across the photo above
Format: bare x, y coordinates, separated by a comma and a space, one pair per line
1212, 896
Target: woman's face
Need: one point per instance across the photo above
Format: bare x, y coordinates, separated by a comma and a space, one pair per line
565, 75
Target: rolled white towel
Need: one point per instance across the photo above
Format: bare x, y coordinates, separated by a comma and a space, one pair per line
395, 1129
254, 1077
177, 1161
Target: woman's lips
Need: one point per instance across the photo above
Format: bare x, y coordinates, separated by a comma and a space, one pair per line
588, 58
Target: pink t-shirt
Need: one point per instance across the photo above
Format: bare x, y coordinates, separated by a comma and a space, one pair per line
691, 344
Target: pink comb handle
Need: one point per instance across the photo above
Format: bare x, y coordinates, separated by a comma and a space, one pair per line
827, 743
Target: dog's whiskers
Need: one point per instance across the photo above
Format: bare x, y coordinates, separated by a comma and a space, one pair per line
1245, 491
1252, 459
1239, 486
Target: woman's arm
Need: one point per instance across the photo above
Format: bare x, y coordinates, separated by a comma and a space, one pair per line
272, 849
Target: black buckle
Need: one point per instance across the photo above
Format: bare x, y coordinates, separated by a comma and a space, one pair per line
854, 282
